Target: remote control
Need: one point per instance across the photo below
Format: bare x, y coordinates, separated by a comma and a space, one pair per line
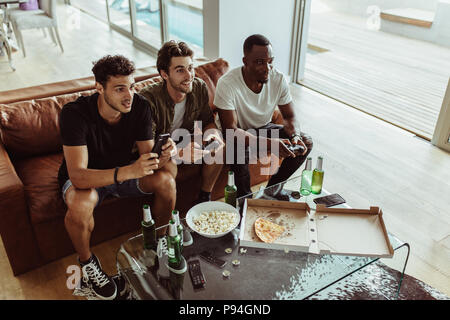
197, 277
208, 257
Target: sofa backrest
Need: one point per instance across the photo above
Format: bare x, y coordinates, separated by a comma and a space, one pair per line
31, 127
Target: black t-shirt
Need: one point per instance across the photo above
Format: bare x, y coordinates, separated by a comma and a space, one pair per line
109, 146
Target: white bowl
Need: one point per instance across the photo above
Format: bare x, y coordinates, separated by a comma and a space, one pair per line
211, 206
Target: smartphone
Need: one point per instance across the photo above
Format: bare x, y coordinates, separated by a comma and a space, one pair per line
330, 200
160, 141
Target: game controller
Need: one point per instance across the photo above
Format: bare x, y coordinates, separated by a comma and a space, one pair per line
210, 144
296, 148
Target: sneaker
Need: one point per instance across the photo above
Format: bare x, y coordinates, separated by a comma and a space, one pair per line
100, 283
122, 287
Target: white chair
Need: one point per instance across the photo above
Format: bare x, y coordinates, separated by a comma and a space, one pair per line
43, 18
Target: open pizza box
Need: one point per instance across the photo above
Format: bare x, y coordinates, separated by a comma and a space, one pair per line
342, 231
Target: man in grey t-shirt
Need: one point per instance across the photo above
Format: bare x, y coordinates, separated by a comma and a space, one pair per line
246, 98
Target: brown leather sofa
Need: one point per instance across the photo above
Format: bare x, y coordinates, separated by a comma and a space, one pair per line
31, 208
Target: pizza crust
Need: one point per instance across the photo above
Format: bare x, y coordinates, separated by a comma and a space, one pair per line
268, 231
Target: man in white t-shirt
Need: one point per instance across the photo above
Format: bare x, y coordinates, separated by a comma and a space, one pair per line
179, 102
246, 98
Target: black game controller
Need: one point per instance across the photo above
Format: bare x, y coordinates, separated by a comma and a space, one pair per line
210, 144
296, 149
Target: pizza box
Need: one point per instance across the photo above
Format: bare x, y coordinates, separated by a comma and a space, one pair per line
342, 231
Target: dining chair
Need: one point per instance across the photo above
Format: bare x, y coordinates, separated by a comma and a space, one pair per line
43, 18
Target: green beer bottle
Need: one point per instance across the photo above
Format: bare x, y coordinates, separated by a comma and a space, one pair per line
317, 177
148, 229
173, 246
305, 188
180, 228
231, 190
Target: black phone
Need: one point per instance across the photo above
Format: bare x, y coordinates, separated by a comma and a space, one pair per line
160, 141
209, 257
330, 200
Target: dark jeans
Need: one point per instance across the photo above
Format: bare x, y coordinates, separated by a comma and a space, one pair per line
287, 168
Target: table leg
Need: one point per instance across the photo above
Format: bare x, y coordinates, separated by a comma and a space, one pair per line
4, 38
404, 267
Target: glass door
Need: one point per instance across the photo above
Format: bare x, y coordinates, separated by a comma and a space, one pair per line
185, 22
119, 14
96, 8
148, 22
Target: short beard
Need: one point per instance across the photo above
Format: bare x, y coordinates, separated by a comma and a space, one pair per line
180, 88
110, 104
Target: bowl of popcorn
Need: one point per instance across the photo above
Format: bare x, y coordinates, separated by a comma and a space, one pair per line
213, 219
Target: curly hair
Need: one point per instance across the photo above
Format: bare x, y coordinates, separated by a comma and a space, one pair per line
109, 66
171, 49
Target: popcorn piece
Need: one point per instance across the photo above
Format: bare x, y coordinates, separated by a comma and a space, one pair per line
214, 222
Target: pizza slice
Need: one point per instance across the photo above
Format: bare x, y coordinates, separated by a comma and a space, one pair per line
268, 231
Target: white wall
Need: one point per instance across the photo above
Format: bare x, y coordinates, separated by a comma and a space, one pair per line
227, 23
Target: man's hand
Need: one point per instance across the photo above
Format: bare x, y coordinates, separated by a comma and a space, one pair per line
168, 150
298, 140
191, 153
283, 150
217, 144
144, 166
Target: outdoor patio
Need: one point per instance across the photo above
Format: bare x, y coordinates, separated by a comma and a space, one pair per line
398, 79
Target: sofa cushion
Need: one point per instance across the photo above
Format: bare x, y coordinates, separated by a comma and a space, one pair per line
41, 187
31, 128
39, 177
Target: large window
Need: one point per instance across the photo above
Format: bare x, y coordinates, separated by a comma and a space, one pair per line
119, 14
96, 8
151, 22
384, 60
148, 22
185, 22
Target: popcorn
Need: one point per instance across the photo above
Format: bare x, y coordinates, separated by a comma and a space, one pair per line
214, 222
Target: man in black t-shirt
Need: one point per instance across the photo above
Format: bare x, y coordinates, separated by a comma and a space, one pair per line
99, 133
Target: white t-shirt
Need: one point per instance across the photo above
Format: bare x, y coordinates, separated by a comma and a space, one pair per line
253, 110
178, 115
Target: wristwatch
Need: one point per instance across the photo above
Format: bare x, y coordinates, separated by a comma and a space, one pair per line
115, 176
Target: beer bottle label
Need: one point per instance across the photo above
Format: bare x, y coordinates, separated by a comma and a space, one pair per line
171, 253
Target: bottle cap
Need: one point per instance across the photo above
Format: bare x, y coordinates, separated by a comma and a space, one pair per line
308, 165
176, 216
230, 178
319, 162
172, 228
147, 213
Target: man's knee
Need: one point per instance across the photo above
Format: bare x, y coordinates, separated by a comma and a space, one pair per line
80, 204
161, 182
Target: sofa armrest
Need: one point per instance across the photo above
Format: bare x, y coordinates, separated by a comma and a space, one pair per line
15, 227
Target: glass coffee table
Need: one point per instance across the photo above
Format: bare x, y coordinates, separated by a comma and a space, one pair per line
254, 274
